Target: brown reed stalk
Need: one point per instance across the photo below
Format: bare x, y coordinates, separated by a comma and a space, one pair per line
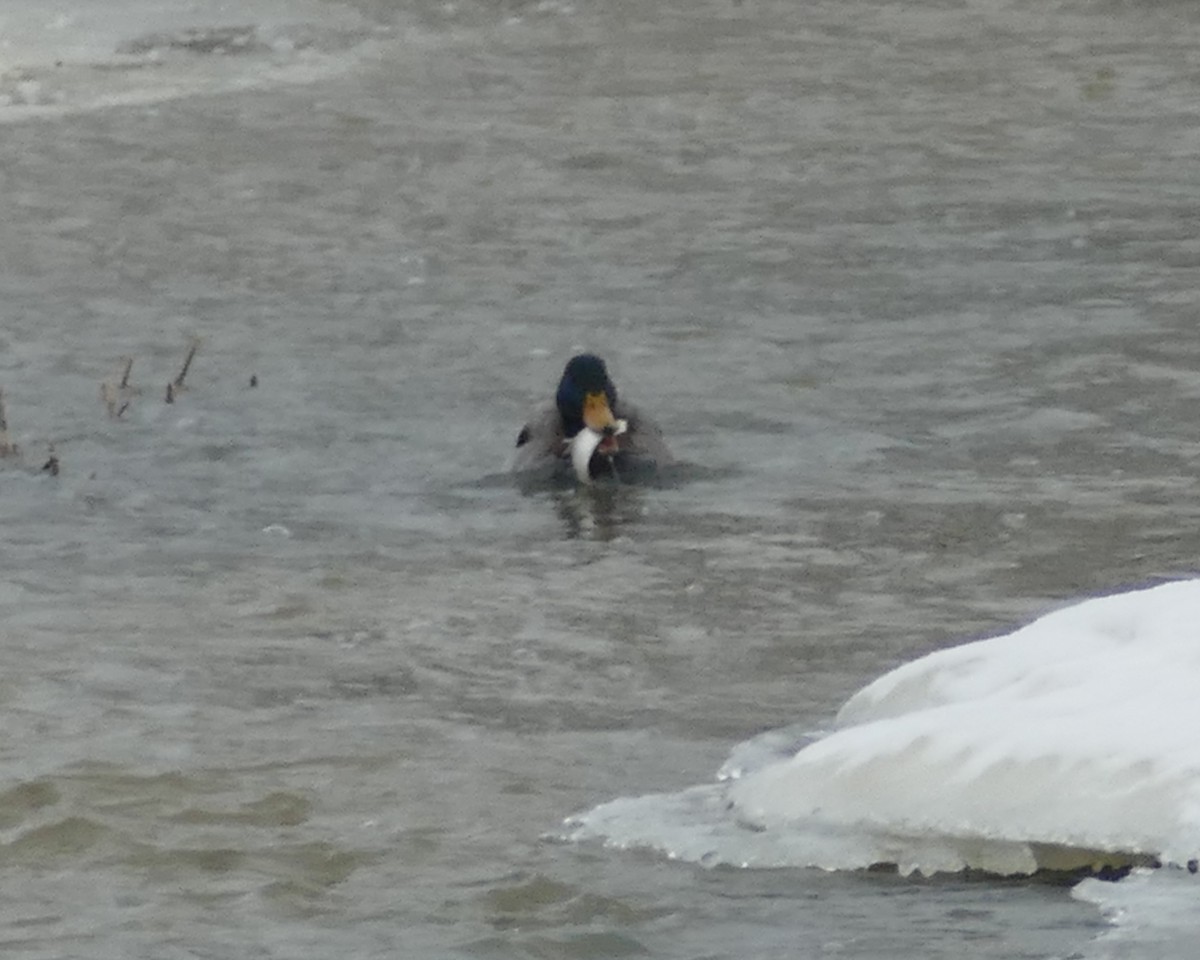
7, 447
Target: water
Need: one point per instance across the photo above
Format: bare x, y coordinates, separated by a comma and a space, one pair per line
292, 669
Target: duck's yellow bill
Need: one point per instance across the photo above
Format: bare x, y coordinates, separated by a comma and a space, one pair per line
597, 415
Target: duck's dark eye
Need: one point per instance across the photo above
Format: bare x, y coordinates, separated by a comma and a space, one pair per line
523, 436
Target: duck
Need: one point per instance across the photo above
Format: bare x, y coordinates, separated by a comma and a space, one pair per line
588, 432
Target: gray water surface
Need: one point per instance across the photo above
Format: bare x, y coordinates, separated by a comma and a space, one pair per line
293, 669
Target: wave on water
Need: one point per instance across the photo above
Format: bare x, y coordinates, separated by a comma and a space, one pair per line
1066, 746
65, 57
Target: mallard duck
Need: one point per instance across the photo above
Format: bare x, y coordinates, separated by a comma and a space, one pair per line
588, 432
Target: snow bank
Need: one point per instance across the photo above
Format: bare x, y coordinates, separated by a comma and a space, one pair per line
1072, 743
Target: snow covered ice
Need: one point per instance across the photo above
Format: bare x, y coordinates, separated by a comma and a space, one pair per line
1070, 743
59, 57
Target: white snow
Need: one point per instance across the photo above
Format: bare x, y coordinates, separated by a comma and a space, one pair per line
1071, 738
1151, 915
1072, 742
40, 33
63, 56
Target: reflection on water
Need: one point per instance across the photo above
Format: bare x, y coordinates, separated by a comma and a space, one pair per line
601, 511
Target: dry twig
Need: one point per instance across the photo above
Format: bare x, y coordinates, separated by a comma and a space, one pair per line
187, 362
116, 392
175, 387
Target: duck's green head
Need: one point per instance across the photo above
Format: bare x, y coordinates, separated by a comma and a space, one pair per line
586, 396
